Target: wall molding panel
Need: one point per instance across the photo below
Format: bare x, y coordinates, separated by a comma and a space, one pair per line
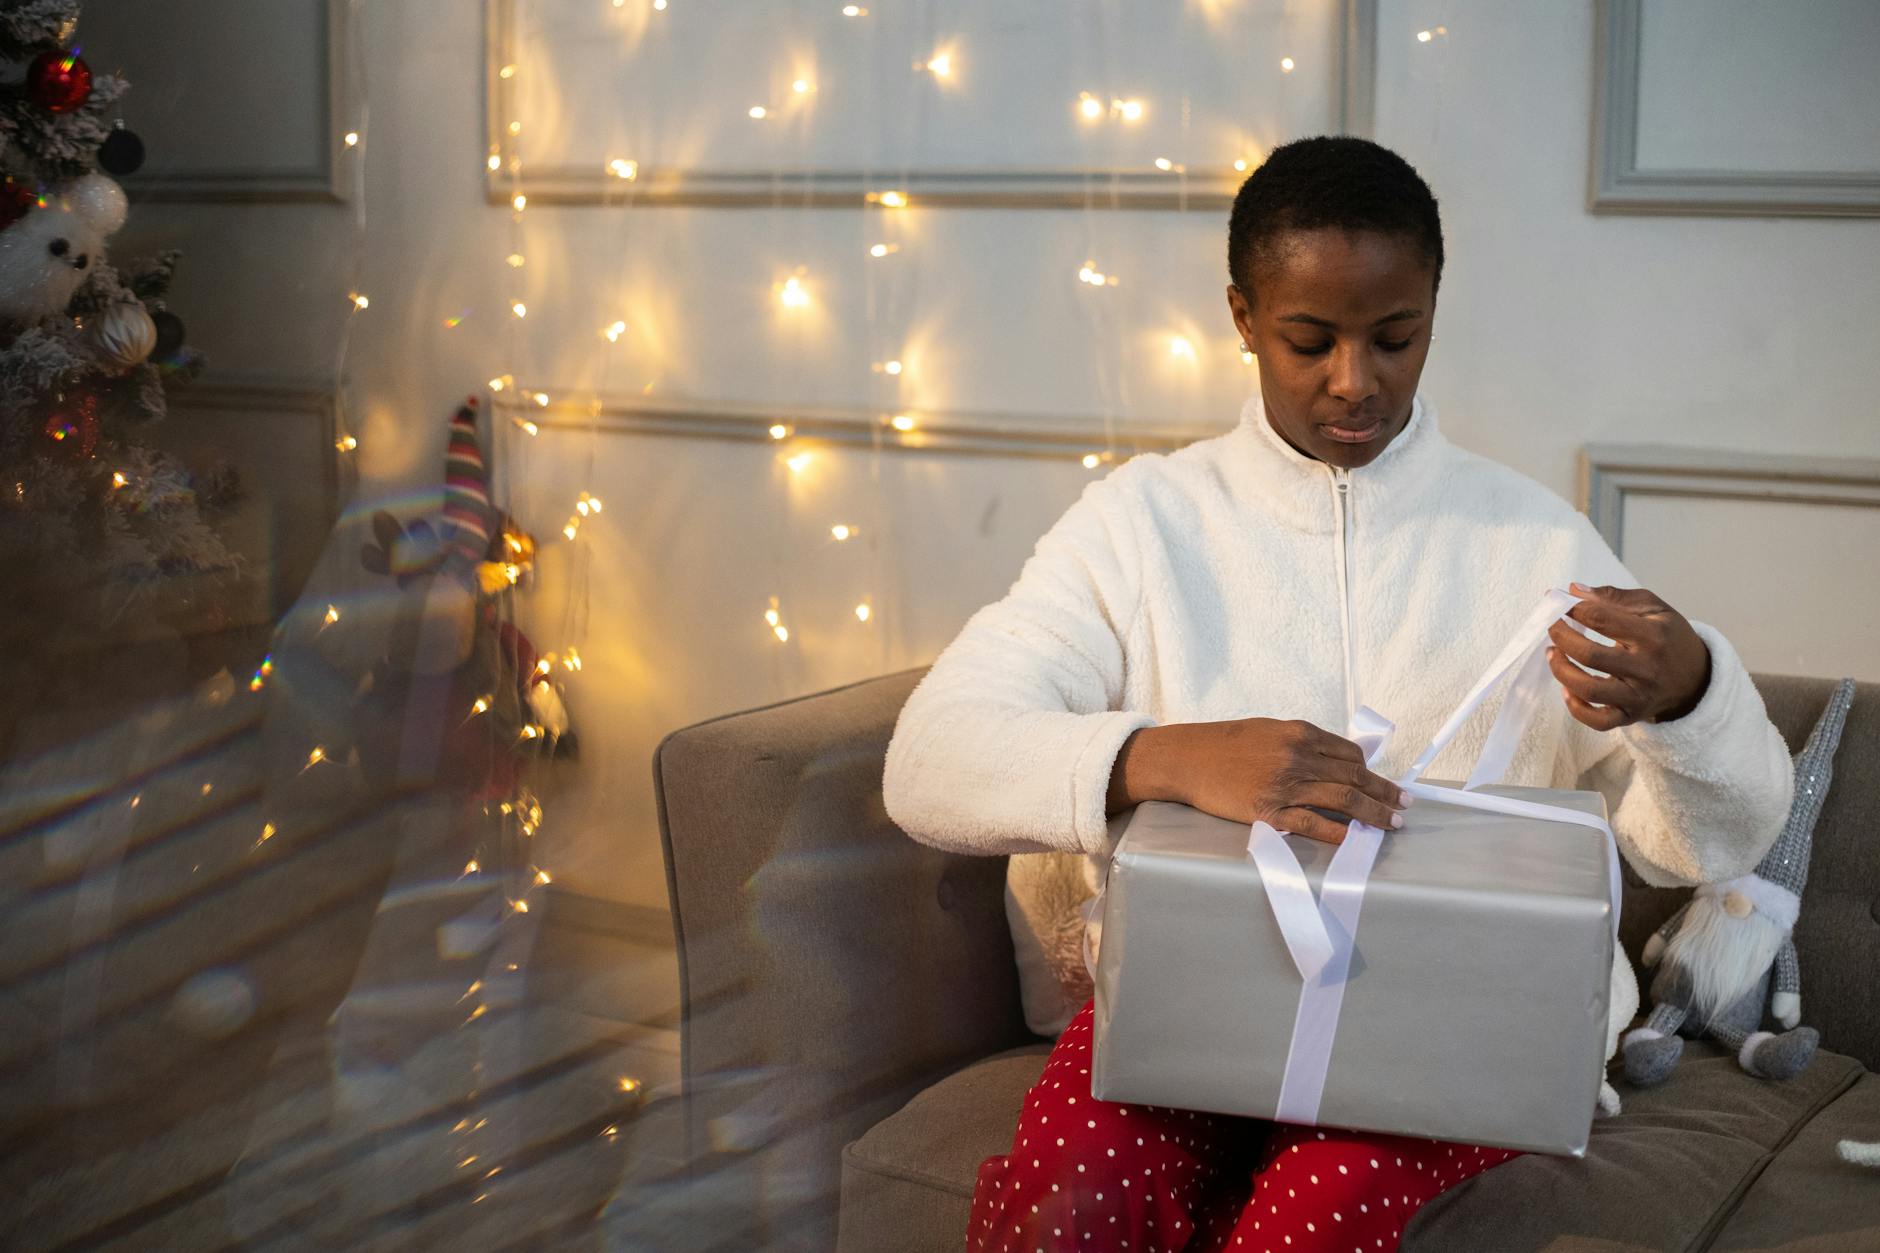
1195, 188
1611, 473
1620, 185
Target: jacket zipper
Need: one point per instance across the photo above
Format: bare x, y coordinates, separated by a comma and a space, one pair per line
1341, 502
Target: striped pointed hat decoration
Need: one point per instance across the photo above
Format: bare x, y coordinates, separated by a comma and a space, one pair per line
467, 514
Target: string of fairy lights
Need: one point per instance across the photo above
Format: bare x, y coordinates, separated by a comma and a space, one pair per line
795, 293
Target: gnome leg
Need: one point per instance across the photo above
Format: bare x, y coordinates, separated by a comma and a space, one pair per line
1652, 1050
1769, 1056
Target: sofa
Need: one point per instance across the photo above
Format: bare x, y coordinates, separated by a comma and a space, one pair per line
853, 1045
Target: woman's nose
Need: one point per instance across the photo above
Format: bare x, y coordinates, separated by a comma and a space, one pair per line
1353, 380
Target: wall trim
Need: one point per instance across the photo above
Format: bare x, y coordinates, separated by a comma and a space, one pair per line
1619, 186
1211, 188
320, 181
972, 434
1610, 473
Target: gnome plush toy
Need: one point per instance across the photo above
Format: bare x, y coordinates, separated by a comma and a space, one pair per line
1716, 955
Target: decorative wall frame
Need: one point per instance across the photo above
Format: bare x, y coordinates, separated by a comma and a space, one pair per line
1210, 188
1610, 473
973, 434
320, 179
1619, 185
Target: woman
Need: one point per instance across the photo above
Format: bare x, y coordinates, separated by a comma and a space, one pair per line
1198, 625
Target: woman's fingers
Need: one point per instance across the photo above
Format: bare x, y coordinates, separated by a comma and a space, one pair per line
1312, 825
1346, 799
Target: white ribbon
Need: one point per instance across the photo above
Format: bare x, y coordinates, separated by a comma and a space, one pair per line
1320, 934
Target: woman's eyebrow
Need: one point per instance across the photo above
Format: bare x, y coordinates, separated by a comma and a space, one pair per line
1399, 316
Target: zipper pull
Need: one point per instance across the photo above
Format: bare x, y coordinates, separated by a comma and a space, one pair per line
1341, 480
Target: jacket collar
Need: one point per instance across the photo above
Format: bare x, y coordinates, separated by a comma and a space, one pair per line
1297, 490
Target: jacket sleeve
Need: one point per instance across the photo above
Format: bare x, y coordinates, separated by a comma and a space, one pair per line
1006, 745
1698, 799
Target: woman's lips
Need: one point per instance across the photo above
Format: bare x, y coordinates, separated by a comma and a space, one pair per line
1361, 436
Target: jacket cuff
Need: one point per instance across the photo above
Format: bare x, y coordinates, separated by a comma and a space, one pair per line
1715, 731
1090, 776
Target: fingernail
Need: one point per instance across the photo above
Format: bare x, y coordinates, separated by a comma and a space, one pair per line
1396, 820
1405, 799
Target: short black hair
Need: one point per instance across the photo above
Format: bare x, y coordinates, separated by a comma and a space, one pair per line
1329, 180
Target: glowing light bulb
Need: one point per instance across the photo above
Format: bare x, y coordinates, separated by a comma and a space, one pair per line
521, 907
508, 71
759, 112
901, 422
1089, 106
798, 462
482, 706
520, 202
614, 331
779, 431
332, 615
570, 529
1091, 460
841, 531
854, 10
528, 426
862, 613
1286, 65
893, 199
782, 633
346, 443
1128, 110
317, 756
772, 617
882, 250
802, 86
1240, 165
267, 833
541, 399
624, 169
471, 866
629, 1085
940, 65
1163, 163
793, 294
360, 301
515, 128
519, 309
495, 162
541, 877
891, 367
1179, 346
516, 260
118, 479
659, 6
352, 139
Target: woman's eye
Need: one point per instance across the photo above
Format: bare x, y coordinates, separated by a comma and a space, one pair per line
1397, 345
1311, 350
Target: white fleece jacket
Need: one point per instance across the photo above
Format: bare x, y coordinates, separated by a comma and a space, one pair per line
1230, 580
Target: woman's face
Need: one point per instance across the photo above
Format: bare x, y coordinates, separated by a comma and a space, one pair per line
1341, 327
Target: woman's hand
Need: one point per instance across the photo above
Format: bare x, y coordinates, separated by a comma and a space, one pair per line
1656, 670
1257, 769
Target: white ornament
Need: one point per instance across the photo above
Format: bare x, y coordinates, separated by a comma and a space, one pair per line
123, 334
545, 704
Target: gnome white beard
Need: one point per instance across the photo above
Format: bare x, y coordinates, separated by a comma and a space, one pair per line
1725, 956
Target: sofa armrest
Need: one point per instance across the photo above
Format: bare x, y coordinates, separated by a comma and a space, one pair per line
829, 965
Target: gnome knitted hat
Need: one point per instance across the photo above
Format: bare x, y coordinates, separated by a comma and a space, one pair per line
467, 513
1775, 887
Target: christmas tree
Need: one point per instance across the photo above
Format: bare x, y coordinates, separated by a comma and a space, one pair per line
100, 531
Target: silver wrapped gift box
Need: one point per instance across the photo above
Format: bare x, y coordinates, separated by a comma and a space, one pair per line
1475, 1005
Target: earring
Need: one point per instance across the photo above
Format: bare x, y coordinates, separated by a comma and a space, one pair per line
1244, 348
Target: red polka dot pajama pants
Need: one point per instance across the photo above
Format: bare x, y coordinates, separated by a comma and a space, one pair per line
1085, 1174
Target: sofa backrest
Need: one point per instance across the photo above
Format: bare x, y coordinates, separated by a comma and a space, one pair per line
1838, 934
830, 967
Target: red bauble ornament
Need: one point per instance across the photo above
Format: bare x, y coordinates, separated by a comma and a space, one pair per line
58, 82
72, 428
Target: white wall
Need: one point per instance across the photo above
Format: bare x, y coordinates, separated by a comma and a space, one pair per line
1557, 328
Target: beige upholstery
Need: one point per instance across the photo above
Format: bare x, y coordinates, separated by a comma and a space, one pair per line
845, 986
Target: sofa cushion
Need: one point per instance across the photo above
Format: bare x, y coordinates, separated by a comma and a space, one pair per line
908, 1183
1806, 1197
1665, 1174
